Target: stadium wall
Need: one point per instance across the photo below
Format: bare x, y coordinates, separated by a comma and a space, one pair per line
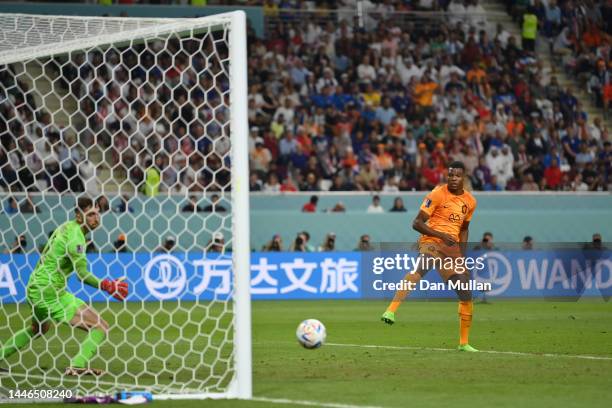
545, 217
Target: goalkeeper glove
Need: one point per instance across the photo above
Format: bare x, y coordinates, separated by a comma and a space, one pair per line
117, 288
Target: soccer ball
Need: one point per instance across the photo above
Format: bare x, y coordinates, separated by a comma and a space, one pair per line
311, 333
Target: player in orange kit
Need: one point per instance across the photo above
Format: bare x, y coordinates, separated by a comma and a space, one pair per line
443, 221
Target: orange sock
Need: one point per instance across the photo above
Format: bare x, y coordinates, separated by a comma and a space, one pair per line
400, 295
465, 320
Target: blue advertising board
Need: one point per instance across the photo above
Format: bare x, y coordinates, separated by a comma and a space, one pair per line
331, 275
191, 276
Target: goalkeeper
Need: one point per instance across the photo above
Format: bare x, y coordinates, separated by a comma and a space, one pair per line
46, 290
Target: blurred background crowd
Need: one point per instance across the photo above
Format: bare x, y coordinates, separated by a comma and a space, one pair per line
338, 101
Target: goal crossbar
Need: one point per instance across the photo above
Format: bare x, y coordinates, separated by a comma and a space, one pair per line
99, 32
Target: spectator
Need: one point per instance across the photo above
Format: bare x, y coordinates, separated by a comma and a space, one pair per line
298, 244
596, 243
214, 205
364, 243
20, 245
486, 243
578, 184
329, 244
168, 245
152, 180
28, 206
102, 204
338, 207
272, 185
398, 205
91, 247
124, 205
311, 205
254, 182
553, 175
375, 207
11, 206
385, 113
217, 243
530, 29
192, 206
527, 243
274, 245
120, 244
306, 238
493, 185
482, 174
585, 155
287, 146
260, 157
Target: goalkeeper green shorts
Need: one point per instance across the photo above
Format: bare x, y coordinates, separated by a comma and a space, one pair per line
59, 307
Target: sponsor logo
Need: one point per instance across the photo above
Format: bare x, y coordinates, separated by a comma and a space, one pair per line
6, 280
497, 271
454, 217
165, 277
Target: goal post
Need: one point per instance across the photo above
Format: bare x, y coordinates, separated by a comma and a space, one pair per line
240, 182
90, 105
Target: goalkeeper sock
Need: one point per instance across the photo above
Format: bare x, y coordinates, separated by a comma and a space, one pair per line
88, 348
465, 320
401, 294
20, 339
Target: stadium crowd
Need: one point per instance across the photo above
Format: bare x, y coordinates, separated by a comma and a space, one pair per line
332, 106
341, 108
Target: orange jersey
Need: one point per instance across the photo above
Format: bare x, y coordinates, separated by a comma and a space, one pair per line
447, 212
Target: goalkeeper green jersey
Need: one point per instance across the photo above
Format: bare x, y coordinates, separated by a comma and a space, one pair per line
63, 254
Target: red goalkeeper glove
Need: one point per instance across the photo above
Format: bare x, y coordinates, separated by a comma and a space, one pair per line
116, 288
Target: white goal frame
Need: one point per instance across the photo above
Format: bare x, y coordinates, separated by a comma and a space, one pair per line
134, 28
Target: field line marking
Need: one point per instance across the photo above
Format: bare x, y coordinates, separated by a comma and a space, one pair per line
309, 403
512, 353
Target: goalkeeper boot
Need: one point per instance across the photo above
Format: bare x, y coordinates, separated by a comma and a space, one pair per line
388, 317
78, 371
466, 347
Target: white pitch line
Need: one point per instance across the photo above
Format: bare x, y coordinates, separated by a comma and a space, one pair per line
309, 403
511, 353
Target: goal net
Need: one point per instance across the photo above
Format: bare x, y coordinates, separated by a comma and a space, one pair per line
147, 117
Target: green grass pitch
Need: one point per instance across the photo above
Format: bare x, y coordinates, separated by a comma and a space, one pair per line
343, 372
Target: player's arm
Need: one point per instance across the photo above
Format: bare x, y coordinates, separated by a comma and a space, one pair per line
464, 231
86, 276
117, 288
463, 236
420, 224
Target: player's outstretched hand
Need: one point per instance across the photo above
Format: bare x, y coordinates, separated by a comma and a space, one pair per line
116, 287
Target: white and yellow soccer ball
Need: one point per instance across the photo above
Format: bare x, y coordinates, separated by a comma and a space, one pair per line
311, 333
